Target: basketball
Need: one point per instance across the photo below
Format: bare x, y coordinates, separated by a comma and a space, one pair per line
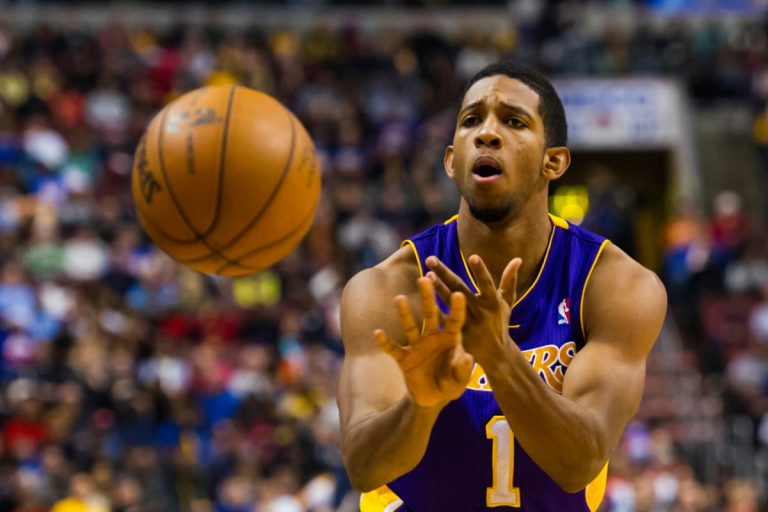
226, 180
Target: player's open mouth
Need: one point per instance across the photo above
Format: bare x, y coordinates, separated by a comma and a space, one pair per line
486, 169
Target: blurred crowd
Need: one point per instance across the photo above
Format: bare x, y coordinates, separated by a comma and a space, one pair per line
131, 384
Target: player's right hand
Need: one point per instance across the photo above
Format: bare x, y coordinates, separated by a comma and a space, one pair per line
434, 364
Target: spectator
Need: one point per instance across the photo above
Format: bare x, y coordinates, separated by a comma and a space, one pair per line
83, 497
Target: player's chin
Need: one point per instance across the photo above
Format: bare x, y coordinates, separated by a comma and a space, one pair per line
490, 212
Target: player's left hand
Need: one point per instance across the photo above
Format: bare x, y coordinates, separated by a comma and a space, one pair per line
487, 319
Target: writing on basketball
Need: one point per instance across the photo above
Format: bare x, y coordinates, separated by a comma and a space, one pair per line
149, 185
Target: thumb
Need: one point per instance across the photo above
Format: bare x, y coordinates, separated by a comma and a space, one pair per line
508, 284
462, 368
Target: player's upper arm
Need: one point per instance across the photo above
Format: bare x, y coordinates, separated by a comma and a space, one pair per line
624, 309
370, 380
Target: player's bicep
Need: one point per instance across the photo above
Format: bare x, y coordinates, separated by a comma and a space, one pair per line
624, 312
608, 383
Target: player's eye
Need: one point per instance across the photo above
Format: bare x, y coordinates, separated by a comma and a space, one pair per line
470, 121
515, 122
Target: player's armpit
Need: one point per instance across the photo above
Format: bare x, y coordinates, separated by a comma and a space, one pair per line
624, 309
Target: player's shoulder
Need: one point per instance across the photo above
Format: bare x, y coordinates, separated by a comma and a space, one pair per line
616, 270
622, 294
401, 263
366, 303
397, 274
576, 231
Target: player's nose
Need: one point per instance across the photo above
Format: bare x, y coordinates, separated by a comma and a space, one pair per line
488, 135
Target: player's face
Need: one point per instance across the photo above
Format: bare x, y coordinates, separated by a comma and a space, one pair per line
499, 148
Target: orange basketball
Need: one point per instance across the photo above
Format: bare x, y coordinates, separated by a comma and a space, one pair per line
226, 180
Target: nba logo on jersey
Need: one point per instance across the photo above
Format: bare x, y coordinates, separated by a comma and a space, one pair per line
564, 310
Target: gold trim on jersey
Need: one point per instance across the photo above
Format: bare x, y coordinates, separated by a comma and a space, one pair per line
469, 272
559, 221
595, 490
584, 289
380, 500
543, 264
410, 243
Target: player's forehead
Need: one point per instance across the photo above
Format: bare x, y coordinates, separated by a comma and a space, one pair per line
501, 89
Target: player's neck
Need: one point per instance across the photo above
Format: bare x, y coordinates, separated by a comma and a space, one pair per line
525, 236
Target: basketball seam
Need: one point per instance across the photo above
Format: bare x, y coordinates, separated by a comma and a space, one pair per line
222, 161
183, 215
301, 226
251, 252
275, 190
261, 212
145, 220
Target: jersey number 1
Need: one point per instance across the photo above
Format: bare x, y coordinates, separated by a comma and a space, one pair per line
502, 493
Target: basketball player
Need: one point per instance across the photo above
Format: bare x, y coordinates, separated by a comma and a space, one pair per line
515, 353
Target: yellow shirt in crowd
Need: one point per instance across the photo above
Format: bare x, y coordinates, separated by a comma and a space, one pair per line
76, 505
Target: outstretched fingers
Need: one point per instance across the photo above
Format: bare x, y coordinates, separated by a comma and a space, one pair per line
390, 347
429, 305
412, 332
483, 279
455, 320
462, 366
453, 282
508, 284
442, 291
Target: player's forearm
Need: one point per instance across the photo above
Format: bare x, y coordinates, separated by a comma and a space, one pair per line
385, 445
563, 438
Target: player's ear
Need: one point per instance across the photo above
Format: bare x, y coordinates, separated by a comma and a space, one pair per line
448, 161
556, 162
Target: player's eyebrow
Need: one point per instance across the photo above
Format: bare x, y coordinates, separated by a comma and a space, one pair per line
470, 106
517, 110
514, 108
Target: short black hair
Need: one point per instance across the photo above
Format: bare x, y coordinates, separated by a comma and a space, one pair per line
550, 106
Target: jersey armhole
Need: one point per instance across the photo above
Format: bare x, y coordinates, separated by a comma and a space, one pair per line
410, 244
584, 289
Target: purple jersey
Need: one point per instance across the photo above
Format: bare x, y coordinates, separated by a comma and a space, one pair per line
473, 461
